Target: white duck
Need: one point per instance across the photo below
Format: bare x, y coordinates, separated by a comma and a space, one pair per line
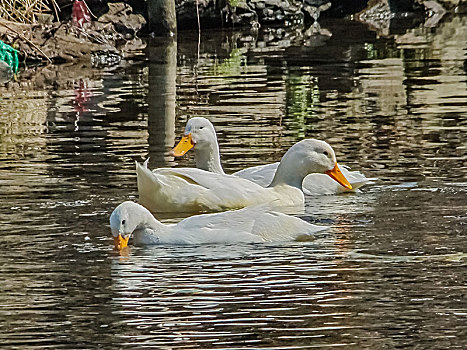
197, 190
200, 136
249, 225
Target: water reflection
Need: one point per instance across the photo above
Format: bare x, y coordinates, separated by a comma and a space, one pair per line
389, 272
161, 101
313, 295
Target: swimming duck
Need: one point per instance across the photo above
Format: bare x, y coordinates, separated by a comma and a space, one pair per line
197, 190
248, 225
200, 136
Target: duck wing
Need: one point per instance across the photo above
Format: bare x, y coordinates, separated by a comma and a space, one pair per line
196, 190
261, 174
251, 224
276, 227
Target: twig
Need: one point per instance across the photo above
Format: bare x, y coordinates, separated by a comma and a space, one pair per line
92, 14
25, 11
199, 27
197, 15
95, 37
27, 40
55, 5
198, 51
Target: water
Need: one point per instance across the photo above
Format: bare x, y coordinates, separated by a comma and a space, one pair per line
390, 273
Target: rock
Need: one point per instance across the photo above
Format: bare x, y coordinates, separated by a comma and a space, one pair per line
121, 16
259, 5
435, 11
101, 59
5, 73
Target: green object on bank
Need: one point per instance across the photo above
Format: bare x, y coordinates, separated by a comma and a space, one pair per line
9, 55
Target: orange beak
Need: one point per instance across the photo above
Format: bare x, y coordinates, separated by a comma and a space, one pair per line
337, 175
121, 242
183, 146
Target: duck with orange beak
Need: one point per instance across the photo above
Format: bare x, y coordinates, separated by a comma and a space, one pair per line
195, 190
248, 225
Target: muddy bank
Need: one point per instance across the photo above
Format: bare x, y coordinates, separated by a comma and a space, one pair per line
107, 39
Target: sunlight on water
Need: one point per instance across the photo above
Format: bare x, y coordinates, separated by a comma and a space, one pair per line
390, 271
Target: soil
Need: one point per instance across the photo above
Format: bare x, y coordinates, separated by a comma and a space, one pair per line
114, 33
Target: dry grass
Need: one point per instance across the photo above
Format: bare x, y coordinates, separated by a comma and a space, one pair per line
26, 11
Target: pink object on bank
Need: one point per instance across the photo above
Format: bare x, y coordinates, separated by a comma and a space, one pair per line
80, 13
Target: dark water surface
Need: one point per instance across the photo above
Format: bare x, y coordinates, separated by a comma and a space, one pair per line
391, 271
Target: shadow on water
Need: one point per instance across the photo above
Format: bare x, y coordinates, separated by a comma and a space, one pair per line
388, 273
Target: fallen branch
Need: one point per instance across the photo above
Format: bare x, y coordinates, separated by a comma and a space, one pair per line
27, 40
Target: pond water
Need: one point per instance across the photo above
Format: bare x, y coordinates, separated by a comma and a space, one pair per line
389, 273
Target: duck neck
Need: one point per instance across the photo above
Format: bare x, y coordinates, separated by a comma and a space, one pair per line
208, 159
151, 231
147, 220
288, 175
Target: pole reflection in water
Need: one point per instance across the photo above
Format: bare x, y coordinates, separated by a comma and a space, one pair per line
161, 100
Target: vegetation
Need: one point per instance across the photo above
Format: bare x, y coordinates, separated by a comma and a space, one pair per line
26, 11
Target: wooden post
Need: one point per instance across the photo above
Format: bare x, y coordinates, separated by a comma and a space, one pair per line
162, 17
161, 100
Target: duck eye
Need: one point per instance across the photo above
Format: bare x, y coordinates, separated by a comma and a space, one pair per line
123, 222
326, 153
201, 127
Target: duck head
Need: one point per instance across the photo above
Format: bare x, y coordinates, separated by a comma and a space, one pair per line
127, 218
306, 157
122, 225
199, 134
130, 219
